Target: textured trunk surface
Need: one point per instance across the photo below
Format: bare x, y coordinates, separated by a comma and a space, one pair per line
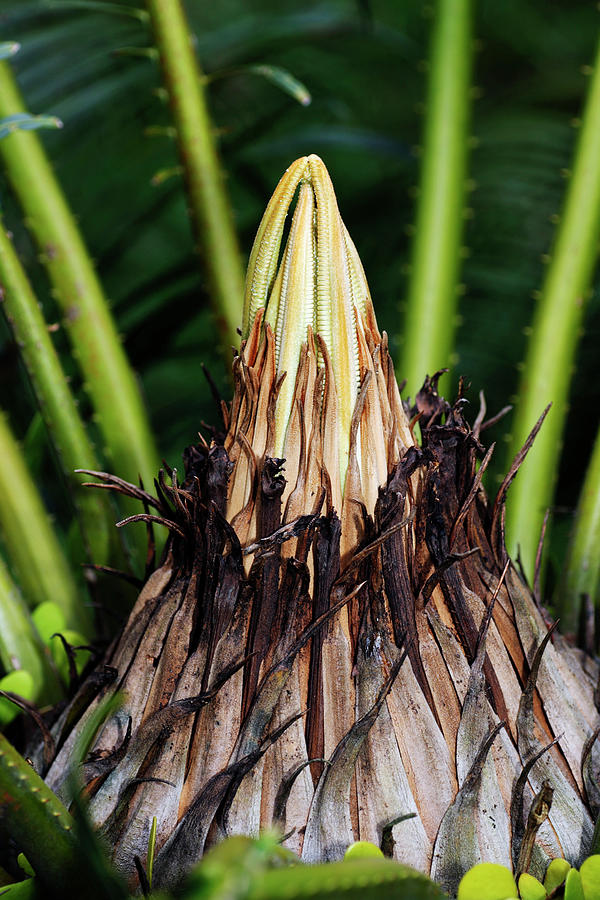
351, 645
413, 669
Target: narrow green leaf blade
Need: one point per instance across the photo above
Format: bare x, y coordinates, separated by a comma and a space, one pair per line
27, 122
96, 6
284, 80
8, 49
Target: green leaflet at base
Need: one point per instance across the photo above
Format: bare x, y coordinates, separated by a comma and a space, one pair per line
573, 888
556, 873
364, 879
20, 890
487, 881
590, 877
530, 888
245, 869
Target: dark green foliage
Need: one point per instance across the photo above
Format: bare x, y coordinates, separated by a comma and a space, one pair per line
360, 63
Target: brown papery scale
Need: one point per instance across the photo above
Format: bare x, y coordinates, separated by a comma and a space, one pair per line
335, 636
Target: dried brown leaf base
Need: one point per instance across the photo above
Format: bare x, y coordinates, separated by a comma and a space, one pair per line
273, 684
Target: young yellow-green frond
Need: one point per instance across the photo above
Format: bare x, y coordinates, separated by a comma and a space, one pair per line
316, 303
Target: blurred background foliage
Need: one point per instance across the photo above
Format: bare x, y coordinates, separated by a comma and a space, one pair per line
361, 63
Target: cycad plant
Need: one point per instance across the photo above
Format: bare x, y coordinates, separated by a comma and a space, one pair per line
334, 640
336, 636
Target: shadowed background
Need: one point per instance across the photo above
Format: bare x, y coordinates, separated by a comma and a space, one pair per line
361, 64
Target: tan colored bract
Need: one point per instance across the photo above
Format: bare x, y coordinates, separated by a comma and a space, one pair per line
313, 347
330, 652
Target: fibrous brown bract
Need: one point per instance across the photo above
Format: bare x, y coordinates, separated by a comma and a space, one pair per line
335, 636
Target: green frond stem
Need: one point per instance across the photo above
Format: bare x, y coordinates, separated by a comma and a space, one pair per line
428, 338
47, 834
555, 331
20, 645
37, 820
128, 442
211, 213
31, 544
56, 402
581, 574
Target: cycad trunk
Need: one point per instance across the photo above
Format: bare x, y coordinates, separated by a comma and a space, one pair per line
334, 650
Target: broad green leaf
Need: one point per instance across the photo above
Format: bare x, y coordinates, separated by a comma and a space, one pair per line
530, 888
573, 886
18, 682
590, 877
363, 879
487, 881
48, 619
556, 873
27, 122
59, 654
362, 850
